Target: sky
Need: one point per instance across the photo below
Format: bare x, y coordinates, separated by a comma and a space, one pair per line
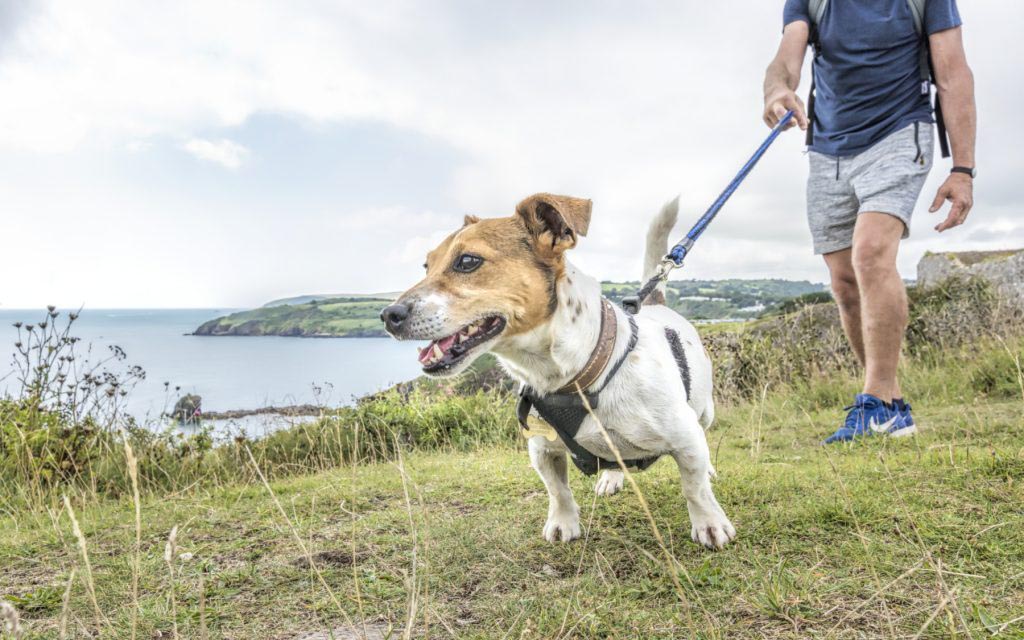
223, 154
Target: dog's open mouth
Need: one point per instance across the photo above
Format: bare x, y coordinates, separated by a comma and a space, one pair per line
445, 353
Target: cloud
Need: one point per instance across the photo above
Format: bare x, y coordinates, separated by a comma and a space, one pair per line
12, 15
625, 103
223, 152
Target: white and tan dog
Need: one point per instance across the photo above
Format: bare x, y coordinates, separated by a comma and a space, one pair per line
503, 285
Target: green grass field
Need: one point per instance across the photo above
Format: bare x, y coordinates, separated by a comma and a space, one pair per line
912, 538
415, 513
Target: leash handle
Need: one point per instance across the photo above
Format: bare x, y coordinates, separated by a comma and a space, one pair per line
678, 253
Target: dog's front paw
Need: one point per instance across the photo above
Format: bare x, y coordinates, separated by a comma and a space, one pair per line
562, 526
713, 531
609, 483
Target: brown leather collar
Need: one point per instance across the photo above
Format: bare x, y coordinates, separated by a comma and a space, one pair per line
601, 355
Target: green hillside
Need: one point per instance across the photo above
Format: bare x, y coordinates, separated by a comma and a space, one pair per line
724, 299
335, 317
354, 316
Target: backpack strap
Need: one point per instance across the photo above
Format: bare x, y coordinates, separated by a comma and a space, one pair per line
815, 10
917, 11
917, 8
924, 60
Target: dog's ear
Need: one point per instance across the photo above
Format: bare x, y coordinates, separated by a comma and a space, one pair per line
470, 219
555, 221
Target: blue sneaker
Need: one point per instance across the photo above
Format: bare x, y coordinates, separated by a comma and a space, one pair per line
870, 416
905, 412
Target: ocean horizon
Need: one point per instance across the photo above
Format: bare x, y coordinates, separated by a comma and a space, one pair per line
229, 372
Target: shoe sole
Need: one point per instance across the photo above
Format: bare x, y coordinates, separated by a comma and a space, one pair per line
905, 431
901, 433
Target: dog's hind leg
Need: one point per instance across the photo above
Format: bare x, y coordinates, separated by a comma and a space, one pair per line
709, 524
609, 483
549, 460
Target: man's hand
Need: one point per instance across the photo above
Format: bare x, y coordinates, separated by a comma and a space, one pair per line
958, 189
776, 106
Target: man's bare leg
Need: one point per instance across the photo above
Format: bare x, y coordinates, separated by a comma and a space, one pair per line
883, 300
847, 295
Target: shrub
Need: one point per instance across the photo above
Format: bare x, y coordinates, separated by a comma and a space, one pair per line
371, 430
956, 313
64, 429
998, 373
809, 344
67, 404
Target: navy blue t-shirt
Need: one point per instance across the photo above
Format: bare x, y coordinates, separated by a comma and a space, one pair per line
868, 76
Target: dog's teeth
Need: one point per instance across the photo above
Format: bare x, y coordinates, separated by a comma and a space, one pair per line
438, 354
462, 338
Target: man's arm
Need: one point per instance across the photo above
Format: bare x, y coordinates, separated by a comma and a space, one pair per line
782, 77
955, 84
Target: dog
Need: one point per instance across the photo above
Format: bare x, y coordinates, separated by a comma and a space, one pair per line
504, 286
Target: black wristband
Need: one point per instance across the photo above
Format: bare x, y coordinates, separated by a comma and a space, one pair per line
971, 171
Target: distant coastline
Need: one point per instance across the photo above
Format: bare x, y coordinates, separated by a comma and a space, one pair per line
357, 315
348, 316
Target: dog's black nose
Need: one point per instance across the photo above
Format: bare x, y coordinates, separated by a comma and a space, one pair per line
394, 315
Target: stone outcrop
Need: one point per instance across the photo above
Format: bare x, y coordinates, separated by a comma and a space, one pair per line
188, 409
1004, 269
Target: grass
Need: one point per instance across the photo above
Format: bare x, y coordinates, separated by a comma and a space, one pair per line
416, 514
879, 539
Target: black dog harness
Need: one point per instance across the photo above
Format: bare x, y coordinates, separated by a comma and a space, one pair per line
565, 410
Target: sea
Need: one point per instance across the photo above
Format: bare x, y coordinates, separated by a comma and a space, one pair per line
228, 372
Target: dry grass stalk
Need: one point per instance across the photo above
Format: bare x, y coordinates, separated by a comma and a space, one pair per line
133, 475
11, 622
65, 606
170, 551
755, 449
672, 564
352, 512
579, 570
1016, 362
927, 623
413, 589
83, 549
936, 564
203, 633
862, 536
298, 539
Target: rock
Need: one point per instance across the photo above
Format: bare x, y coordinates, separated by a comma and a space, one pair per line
1003, 269
188, 409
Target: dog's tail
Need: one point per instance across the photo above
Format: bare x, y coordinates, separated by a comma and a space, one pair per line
657, 245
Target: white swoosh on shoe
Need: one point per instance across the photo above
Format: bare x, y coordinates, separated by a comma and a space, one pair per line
884, 427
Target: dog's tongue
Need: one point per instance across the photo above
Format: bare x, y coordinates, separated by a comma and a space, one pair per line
443, 344
446, 343
425, 354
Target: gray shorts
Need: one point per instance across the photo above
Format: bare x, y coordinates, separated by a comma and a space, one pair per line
886, 178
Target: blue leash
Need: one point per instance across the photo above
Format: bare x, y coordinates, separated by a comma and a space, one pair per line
678, 253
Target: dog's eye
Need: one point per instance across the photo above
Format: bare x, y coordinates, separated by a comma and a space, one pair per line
467, 262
